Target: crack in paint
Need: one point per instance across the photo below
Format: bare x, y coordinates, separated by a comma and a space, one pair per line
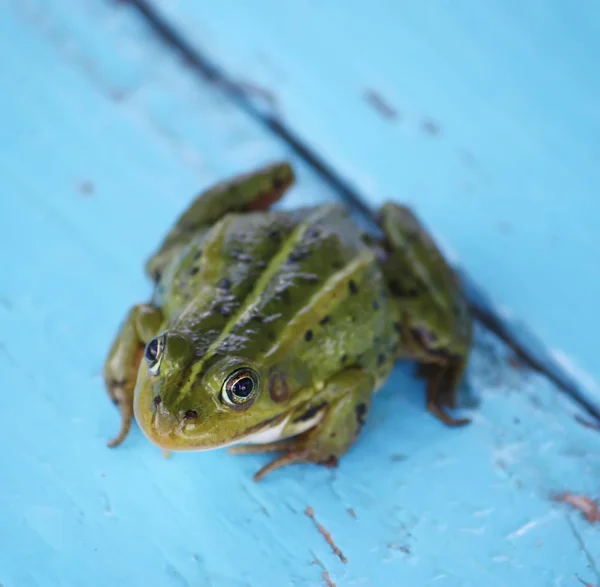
582, 545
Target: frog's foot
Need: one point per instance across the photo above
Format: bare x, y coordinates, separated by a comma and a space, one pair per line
120, 393
123, 361
348, 396
295, 450
441, 391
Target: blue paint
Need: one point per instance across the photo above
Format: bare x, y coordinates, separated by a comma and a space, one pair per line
106, 138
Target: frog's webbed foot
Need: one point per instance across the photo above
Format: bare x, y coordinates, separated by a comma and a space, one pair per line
123, 361
348, 397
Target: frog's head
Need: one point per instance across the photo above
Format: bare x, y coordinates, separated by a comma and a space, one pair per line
185, 402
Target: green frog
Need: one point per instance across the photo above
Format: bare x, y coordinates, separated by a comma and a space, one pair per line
270, 330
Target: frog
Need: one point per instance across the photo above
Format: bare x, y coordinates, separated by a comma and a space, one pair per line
270, 330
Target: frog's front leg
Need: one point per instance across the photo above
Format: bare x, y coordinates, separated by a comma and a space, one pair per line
121, 366
345, 402
248, 192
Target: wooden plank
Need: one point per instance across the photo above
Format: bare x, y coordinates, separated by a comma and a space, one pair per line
107, 136
483, 117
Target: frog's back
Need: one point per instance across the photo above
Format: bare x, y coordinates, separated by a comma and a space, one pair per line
299, 287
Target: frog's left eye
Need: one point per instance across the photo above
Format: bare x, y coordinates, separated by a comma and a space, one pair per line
154, 353
240, 387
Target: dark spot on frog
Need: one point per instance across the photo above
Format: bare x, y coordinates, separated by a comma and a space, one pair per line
115, 401
118, 383
312, 411
376, 340
271, 335
400, 292
361, 415
431, 127
157, 400
257, 318
193, 270
324, 320
224, 284
337, 265
278, 388
380, 359
197, 254
353, 287
375, 305
224, 310
344, 358
398, 327
313, 233
156, 274
274, 235
190, 415
308, 335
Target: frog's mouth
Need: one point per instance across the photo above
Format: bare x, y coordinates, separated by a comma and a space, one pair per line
172, 433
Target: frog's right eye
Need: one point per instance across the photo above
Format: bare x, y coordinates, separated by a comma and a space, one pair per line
154, 353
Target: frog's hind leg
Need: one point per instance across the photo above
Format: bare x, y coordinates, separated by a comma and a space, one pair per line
442, 374
422, 283
121, 366
348, 397
249, 192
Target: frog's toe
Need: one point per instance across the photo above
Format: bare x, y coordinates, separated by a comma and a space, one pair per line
295, 457
126, 418
444, 417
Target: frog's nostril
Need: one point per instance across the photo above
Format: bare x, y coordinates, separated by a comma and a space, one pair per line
157, 401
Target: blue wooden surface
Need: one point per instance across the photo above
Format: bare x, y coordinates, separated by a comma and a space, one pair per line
106, 136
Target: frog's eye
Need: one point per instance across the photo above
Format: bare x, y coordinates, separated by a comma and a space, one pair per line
240, 387
154, 353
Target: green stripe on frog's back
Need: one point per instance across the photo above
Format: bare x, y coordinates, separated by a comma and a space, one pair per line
253, 246
322, 300
216, 279
288, 233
